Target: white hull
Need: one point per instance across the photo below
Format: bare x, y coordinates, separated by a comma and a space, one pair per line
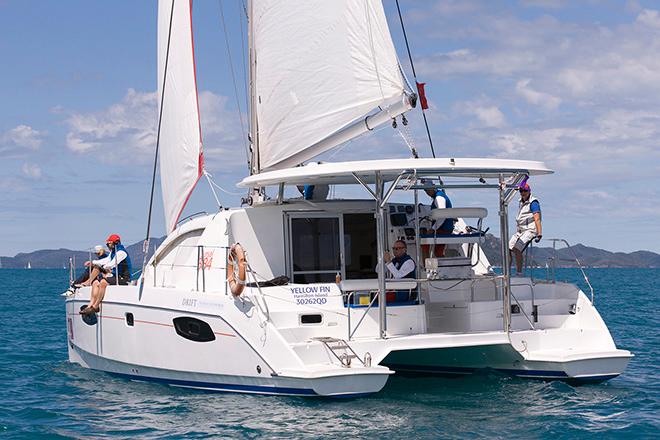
150, 350
333, 386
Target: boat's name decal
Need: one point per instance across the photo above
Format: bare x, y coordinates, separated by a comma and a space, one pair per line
194, 302
189, 302
310, 294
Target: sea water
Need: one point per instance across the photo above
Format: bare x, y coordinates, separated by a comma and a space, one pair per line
44, 396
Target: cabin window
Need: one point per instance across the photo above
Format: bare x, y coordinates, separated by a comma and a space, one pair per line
315, 249
360, 246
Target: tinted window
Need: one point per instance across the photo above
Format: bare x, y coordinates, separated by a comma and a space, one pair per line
193, 329
315, 249
360, 246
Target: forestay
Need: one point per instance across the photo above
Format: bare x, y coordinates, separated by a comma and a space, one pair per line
181, 154
319, 66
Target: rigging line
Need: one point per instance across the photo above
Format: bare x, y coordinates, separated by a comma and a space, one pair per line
209, 176
208, 179
244, 51
233, 78
412, 65
145, 245
380, 84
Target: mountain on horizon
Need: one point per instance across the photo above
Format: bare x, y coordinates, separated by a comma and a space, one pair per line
59, 258
589, 256
565, 257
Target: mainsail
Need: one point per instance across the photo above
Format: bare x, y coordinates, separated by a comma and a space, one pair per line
319, 67
181, 154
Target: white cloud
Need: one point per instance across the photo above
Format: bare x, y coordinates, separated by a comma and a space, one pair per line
589, 63
649, 18
532, 96
127, 125
488, 114
31, 170
128, 129
21, 136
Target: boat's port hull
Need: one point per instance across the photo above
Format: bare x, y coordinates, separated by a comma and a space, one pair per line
339, 385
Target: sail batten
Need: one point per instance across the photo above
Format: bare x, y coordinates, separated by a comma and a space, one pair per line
181, 153
320, 66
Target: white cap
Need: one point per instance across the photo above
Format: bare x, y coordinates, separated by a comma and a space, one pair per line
98, 248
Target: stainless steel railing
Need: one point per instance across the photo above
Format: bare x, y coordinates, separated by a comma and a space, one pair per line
551, 263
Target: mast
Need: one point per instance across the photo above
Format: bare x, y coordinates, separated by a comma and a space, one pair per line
252, 60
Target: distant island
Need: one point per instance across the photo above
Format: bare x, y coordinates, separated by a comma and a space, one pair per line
565, 257
589, 256
59, 258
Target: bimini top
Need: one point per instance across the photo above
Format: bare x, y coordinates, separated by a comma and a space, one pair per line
338, 173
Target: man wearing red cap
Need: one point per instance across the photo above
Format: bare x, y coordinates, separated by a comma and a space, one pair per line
116, 269
528, 225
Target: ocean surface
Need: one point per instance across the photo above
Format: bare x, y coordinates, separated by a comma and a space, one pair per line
43, 396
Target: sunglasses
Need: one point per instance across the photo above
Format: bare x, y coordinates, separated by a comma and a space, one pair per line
397, 248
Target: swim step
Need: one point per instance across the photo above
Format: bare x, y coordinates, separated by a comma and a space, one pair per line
340, 349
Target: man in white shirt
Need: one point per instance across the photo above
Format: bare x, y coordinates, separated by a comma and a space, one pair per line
402, 265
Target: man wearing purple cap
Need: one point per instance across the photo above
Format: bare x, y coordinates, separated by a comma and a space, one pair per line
528, 225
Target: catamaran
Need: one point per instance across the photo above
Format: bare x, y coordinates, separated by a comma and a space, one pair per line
288, 295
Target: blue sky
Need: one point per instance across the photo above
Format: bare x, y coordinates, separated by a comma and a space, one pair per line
574, 84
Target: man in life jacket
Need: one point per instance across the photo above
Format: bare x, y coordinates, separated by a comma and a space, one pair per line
440, 201
116, 268
528, 225
399, 267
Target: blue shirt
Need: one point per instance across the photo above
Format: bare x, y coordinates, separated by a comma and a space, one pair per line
308, 192
535, 207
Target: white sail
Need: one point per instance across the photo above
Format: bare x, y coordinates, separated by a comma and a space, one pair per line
181, 154
319, 66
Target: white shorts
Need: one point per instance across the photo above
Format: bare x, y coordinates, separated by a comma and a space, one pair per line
520, 240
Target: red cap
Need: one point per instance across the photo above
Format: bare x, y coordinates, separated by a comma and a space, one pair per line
113, 238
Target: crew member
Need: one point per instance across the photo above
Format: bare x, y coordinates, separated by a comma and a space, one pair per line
314, 192
400, 267
440, 201
116, 269
528, 225
89, 274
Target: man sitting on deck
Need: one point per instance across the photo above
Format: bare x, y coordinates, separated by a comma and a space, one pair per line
117, 270
89, 274
399, 267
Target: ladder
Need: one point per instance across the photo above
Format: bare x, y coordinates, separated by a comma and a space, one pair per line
340, 349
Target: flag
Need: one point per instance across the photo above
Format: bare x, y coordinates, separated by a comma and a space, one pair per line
422, 95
